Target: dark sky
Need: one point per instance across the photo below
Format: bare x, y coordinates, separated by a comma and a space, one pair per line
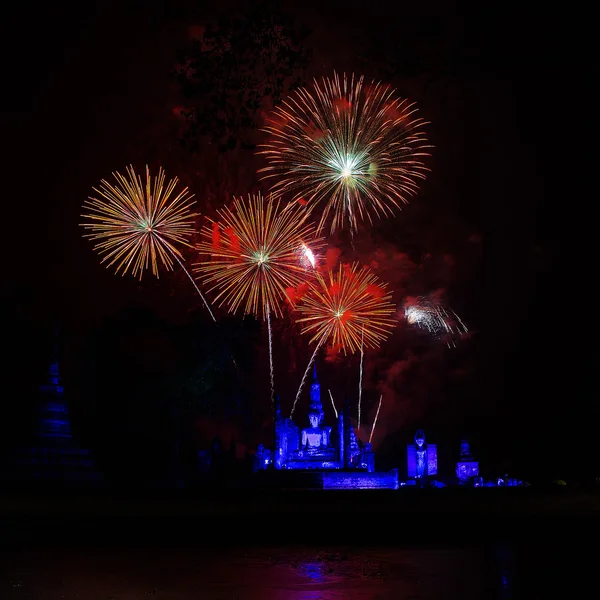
89, 91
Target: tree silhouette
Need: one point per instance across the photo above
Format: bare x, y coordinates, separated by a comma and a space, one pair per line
236, 67
210, 378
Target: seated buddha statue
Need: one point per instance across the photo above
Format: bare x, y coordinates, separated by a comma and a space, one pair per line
314, 438
315, 445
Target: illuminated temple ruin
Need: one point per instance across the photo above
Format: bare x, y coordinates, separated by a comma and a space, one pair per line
330, 457
52, 456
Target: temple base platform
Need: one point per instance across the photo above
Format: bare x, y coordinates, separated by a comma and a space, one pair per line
311, 479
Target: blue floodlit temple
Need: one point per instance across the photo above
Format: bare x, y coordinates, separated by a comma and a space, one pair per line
330, 456
467, 467
53, 456
421, 458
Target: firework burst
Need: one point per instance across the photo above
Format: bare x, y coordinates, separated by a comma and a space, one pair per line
431, 316
350, 309
136, 226
356, 150
256, 251
346, 308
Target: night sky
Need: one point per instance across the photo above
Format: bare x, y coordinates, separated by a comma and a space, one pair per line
90, 92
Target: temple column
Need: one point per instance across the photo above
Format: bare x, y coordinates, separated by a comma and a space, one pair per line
341, 438
277, 454
347, 426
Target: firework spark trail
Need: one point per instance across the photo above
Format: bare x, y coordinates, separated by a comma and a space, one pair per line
346, 305
310, 362
307, 257
430, 315
354, 149
271, 355
333, 404
197, 289
462, 328
375, 421
362, 355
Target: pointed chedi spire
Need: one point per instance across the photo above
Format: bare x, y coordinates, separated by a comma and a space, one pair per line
54, 421
315, 396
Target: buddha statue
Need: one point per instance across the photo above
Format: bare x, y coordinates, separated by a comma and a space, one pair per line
467, 467
421, 458
315, 437
421, 454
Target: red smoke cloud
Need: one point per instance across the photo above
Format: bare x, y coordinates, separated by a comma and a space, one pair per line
313, 132
331, 258
275, 120
196, 31
342, 104
348, 274
333, 354
301, 291
233, 239
346, 316
177, 111
375, 291
290, 292
396, 114
407, 386
216, 236
296, 294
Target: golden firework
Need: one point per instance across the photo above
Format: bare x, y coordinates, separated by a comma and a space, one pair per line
255, 254
347, 307
354, 150
136, 226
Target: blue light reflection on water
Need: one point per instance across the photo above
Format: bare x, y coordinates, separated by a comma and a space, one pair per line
494, 572
313, 570
505, 562
500, 585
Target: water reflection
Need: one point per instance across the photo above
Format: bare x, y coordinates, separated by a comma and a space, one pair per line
505, 565
440, 573
313, 570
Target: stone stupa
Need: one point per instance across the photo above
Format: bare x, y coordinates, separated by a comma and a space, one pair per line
53, 456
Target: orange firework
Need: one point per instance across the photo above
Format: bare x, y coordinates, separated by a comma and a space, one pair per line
137, 226
256, 251
347, 307
355, 150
